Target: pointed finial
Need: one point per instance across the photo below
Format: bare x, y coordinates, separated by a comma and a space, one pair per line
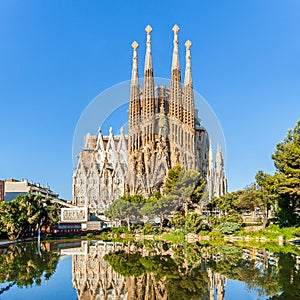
122, 130
134, 45
188, 44
148, 29
110, 130
188, 71
175, 30
148, 58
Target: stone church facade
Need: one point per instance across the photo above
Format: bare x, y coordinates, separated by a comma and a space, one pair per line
163, 131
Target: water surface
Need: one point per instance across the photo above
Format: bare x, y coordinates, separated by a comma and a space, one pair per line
148, 270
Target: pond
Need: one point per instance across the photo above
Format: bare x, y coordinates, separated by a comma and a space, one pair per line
84, 269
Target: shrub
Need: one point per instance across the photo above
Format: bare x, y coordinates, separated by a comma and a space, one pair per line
119, 230
297, 232
175, 237
195, 224
90, 235
228, 227
148, 229
215, 236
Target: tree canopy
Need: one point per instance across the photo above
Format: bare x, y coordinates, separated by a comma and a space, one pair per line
23, 216
286, 180
125, 208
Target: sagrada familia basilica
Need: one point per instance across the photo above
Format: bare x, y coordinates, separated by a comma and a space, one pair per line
163, 131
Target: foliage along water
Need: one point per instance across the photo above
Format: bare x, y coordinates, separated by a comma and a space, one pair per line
147, 270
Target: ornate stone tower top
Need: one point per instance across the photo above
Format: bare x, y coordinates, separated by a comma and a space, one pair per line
148, 60
134, 45
188, 71
134, 106
188, 99
134, 76
175, 109
175, 60
148, 105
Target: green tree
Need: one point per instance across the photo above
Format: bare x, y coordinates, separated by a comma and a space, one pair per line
194, 223
125, 208
266, 195
187, 186
226, 204
172, 179
191, 188
22, 265
287, 177
26, 215
13, 219
228, 227
159, 208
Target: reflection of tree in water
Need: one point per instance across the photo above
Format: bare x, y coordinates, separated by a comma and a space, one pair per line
288, 277
23, 266
151, 270
162, 278
278, 280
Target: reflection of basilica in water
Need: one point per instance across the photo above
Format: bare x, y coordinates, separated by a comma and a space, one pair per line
161, 271
94, 278
149, 270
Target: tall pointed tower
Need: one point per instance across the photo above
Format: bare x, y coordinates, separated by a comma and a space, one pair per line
210, 173
188, 112
175, 105
148, 101
163, 130
134, 106
220, 181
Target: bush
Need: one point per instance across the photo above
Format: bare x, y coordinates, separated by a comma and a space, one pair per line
297, 232
232, 218
228, 227
195, 224
148, 229
90, 235
119, 230
215, 236
175, 237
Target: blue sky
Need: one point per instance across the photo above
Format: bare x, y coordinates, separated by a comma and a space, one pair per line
56, 56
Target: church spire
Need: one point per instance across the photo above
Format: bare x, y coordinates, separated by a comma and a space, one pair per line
210, 157
148, 59
134, 74
175, 59
134, 107
148, 106
188, 100
175, 86
175, 110
219, 157
188, 71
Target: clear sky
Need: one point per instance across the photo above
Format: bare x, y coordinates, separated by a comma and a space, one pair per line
56, 56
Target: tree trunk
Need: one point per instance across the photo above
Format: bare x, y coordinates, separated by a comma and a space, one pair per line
161, 221
265, 219
128, 223
39, 240
185, 208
